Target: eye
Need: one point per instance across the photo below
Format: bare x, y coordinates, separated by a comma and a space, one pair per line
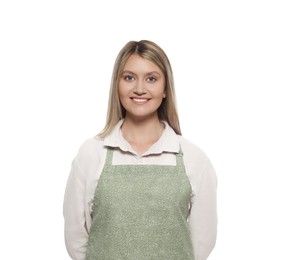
128, 77
151, 79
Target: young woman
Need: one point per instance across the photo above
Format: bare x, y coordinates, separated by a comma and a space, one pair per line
139, 190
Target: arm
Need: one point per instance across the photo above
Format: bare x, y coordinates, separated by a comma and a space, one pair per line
203, 218
76, 234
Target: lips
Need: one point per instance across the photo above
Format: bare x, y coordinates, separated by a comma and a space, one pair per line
140, 100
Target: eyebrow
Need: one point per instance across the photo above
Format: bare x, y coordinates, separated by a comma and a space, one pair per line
152, 72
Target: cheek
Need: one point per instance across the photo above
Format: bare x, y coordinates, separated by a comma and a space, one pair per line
161, 90
121, 91
161, 93
121, 98
124, 88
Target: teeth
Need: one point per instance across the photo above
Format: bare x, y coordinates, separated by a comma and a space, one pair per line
139, 99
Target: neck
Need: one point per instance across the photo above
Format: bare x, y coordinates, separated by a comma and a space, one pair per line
142, 131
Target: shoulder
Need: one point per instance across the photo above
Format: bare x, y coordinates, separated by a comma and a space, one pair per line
195, 159
191, 150
91, 150
91, 144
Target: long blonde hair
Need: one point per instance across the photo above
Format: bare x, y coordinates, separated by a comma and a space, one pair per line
152, 52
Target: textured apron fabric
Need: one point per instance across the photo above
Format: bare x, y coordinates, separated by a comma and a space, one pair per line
140, 212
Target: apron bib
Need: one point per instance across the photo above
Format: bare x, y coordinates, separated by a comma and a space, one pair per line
140, 212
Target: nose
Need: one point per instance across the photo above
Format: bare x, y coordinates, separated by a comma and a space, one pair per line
139, 88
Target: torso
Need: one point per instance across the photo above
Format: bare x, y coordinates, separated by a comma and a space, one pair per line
140, 212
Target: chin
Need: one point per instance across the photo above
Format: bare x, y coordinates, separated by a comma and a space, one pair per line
141, 116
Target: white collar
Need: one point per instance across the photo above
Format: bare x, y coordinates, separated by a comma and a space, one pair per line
168, 142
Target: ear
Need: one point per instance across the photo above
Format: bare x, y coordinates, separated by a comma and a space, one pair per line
164, 94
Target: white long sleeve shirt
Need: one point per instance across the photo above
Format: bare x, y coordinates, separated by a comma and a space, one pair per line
87, 167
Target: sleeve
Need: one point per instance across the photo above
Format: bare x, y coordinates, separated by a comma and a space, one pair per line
76, 234
203, 216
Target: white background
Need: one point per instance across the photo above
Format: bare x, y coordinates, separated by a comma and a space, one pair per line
230, 62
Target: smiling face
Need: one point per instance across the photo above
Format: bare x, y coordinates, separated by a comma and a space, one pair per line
141, 87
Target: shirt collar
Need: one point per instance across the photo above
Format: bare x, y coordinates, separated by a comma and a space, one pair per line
168, 142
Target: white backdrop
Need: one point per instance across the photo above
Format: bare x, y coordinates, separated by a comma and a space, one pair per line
230, 62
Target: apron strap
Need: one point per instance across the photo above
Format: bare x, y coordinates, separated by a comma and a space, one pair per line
109, 156
179, 159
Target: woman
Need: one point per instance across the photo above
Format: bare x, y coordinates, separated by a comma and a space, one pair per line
139, 190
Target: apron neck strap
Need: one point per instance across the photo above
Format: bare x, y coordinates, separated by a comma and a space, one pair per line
109, 157
179, 158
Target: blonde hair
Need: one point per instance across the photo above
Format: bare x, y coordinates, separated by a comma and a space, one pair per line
152, 52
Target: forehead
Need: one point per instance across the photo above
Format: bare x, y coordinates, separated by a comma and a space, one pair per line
137, 64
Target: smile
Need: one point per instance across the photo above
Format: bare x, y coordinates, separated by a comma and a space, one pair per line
140, 100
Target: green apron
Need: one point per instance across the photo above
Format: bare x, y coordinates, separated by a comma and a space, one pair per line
140, 212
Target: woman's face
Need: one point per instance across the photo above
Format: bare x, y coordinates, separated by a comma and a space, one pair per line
141, 87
